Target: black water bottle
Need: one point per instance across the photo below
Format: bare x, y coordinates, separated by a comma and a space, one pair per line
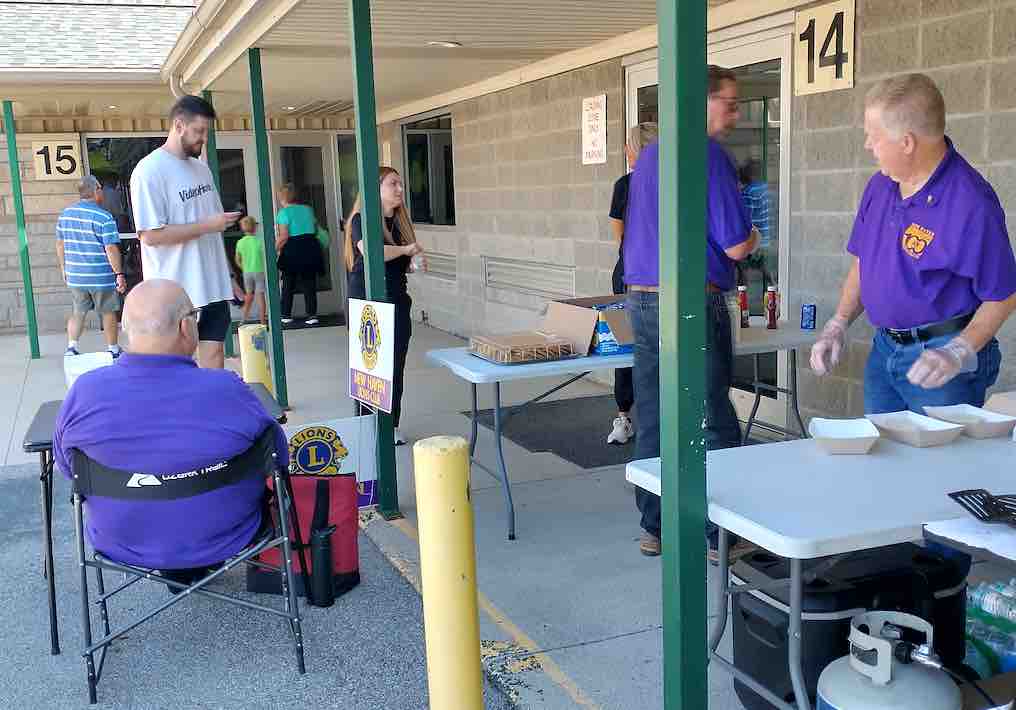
322, 586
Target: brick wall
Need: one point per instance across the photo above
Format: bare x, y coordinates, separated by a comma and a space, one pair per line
43, 202
969, 48
522, 193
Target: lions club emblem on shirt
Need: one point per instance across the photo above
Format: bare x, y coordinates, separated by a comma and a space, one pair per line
916, 239
317, 451
370, 336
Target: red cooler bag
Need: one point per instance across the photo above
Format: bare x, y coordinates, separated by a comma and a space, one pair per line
321, 502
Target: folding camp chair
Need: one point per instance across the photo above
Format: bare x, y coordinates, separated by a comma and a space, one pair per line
96, 480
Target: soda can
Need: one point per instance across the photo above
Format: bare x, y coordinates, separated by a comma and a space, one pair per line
808, 316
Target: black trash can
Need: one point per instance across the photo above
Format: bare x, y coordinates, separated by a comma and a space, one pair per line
902, 577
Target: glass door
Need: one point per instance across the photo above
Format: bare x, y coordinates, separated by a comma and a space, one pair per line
307, 161
759, 147
238, 185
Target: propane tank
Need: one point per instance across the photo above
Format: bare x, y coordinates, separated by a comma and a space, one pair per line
883, 671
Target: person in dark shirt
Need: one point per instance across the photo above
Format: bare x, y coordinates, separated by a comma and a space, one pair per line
624, 390
400, 248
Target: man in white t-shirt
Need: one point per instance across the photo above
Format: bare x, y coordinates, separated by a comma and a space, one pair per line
180, 220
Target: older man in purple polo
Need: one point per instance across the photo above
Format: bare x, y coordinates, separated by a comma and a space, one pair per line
179, 417
933, 266
730, 237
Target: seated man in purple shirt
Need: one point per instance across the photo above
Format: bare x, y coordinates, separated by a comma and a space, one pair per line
933, 266
154, 411
730, 237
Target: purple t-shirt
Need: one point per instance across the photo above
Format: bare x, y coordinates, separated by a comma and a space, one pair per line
936, 255
161, 414
727, 220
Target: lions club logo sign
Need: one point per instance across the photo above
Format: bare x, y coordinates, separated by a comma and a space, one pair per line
317, 451
916, 239
370, 336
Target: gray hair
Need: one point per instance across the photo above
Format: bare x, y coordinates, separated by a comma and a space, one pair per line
910, 103
87, 186
641, 135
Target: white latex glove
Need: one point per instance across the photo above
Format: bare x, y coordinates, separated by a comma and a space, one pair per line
825, 353
937, 366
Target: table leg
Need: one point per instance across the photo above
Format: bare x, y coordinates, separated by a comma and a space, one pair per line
502, 469
472, 433
794, 640
758, 399
793, 392
722, 580
46, 481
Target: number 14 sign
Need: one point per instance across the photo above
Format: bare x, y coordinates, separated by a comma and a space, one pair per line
824, 48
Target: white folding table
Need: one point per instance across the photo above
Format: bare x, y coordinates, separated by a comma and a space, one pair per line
754, 341
800, 503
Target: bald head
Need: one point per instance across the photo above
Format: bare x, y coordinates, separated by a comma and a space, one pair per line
154, 313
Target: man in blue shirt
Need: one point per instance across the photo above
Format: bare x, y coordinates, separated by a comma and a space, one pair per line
730, 237
88, 251
177, 418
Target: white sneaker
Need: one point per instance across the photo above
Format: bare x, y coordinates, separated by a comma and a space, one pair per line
287, 321
312, 321
399, 439
622, 432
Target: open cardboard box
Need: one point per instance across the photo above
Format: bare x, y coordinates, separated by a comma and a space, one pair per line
577, 319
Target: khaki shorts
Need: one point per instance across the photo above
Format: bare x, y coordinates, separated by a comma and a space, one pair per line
254, 282
100, 301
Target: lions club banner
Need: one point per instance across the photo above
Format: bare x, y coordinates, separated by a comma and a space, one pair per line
371, 352
338, 447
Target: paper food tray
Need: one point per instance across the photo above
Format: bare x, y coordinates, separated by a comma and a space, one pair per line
977, 423
915, 429
844, 436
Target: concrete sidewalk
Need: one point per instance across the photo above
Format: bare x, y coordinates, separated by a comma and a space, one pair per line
570, 611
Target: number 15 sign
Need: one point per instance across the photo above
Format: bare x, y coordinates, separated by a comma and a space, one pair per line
824, 48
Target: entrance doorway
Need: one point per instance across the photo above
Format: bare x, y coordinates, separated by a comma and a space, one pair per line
759, 147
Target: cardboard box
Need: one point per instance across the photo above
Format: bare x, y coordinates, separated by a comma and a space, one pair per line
599, 320
518, 348
1001, 688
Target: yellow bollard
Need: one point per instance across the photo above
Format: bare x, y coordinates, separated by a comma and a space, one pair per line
254, 355
448, 573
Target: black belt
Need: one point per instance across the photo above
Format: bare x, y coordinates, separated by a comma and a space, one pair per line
935, 330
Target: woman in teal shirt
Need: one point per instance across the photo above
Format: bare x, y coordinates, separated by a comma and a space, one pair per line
300, 258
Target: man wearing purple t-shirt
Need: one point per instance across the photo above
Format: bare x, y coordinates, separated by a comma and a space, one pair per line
173, 417
933, 266
729, 238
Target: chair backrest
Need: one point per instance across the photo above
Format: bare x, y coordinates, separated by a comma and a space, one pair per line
92, 478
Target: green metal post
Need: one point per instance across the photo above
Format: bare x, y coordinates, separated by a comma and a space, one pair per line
370, 219
257, 100
682, 56
211, 149
19, 211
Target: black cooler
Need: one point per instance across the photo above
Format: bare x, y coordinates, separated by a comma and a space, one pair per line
902, 577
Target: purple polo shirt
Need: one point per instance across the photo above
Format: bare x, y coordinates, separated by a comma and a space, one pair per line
936, 255
162, 414
727, 220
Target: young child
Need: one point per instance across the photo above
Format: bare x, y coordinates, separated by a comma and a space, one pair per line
250, 257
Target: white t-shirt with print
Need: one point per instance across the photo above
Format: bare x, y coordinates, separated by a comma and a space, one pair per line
166, 190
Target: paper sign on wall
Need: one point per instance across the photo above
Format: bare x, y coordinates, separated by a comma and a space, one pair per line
337, 447
371, 352
824, 48
594, 130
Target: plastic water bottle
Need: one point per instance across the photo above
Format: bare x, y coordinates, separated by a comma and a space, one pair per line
978, 661
993, 602
1006, 590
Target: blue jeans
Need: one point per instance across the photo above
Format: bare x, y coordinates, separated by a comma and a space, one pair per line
722, 429
886, 388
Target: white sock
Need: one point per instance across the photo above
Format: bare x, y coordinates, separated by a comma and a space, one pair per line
72, 344
114, 348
